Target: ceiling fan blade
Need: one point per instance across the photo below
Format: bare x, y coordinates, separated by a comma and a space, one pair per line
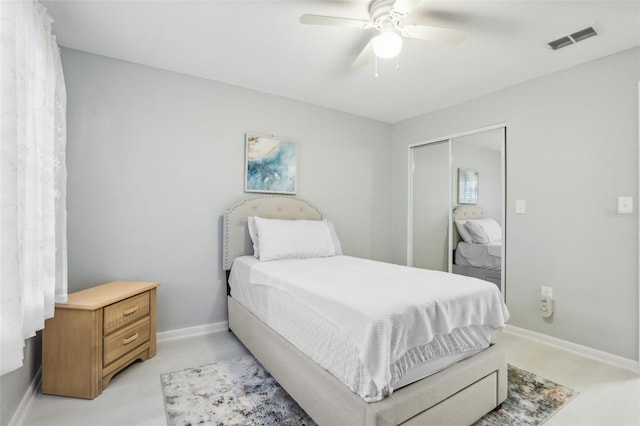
433, 34
334, 21
405, 6
364, 57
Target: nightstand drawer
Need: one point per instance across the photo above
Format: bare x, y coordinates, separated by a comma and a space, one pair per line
125, 340
125, 312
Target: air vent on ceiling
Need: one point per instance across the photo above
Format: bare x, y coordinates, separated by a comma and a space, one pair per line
583, 34
572, 38
560, 43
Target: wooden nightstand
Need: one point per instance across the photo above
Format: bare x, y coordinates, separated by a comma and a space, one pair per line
96, 334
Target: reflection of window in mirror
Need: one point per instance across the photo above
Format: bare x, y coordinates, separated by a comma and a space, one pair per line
468, 180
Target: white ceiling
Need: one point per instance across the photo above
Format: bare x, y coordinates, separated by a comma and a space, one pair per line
261, 45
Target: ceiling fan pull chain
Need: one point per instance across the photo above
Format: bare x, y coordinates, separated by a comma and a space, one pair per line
397, 62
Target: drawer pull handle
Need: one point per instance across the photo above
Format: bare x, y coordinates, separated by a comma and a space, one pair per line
130, 339
130, 311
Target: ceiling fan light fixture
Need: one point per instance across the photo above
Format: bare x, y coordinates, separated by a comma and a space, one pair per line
387, 44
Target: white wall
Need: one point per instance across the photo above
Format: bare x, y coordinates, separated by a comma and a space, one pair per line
572, 149
154, 158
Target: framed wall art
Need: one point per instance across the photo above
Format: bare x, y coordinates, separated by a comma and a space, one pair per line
270, 164
468, 181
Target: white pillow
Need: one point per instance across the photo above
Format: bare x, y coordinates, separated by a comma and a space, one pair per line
477, 232
253, 233
492, 228
336, 242
462, 231
293, 239
484, 231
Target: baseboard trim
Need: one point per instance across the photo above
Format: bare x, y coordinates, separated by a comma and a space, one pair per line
585, 351
20, 414
197, 330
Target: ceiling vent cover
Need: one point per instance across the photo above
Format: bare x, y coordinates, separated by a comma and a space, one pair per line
570, 39
560, 43
583, 34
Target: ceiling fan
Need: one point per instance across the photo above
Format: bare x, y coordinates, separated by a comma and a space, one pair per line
386, 16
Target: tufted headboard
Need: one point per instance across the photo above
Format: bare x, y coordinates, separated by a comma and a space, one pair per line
465, 212
236, 241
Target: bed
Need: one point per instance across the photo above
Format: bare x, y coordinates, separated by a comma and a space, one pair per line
471, 258
459, 394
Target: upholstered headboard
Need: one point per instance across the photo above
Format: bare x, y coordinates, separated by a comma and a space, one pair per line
236, 241
463, 213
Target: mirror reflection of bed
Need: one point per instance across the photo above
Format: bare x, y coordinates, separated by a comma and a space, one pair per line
477, 244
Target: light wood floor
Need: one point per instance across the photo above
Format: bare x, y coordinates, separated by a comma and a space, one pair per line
608, 395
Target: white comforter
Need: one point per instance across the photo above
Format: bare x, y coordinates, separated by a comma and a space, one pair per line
385, 309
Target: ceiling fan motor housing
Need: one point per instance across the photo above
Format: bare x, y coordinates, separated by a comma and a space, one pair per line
383, 16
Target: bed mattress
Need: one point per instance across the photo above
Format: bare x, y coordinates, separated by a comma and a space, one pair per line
486, 256
373, 358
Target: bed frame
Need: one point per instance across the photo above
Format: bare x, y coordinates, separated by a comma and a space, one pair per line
458, 395
491, 275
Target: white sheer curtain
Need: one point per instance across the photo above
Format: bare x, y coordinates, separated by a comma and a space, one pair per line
33, 261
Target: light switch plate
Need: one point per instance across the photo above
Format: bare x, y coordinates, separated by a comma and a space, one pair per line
521, 206
625, 205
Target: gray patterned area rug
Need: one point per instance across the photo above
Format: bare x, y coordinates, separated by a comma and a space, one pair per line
531, 400
241, 392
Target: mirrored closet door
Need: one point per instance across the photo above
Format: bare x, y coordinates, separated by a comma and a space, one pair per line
456, 205
431, 206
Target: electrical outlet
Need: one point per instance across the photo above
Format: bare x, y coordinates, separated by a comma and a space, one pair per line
546, 307
546, 292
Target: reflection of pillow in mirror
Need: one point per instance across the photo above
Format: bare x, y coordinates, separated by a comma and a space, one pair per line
491, 228
477, 232
464, 234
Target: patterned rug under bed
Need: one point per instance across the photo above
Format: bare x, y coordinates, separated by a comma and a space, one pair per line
241, 392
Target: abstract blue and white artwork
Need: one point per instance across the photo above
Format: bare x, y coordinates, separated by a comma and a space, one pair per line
270, 165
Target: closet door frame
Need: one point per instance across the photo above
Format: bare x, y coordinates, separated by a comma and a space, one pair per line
410, 185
